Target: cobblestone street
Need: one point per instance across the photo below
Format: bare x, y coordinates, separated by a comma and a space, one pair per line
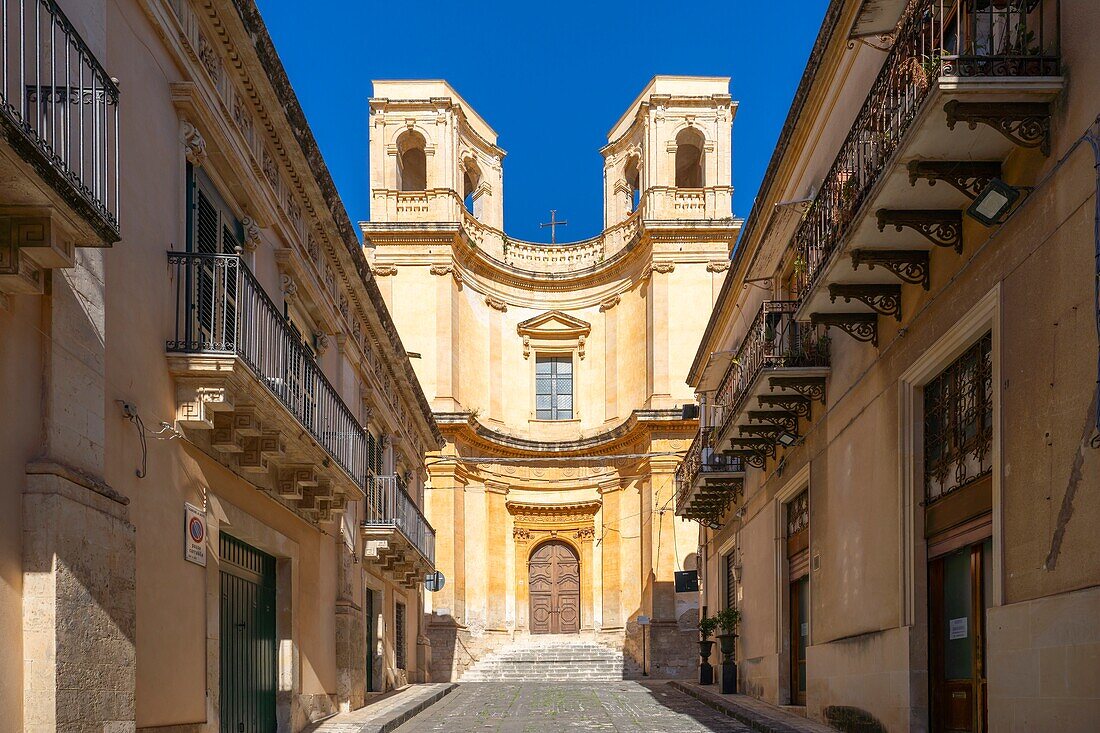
548, 708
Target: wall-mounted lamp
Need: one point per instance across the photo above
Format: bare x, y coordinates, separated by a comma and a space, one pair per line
787, 439
993, 202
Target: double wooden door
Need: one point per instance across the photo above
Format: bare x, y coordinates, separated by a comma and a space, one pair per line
555, 589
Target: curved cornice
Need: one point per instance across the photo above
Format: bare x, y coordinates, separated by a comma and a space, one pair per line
582, 288
465, 428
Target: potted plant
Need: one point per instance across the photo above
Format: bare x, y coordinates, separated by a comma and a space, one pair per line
728, 620
707, 627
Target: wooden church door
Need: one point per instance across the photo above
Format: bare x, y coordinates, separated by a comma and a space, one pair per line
555, 589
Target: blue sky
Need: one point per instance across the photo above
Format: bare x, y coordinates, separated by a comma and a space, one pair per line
551, 79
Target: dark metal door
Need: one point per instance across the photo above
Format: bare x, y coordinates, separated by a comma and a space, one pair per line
248, 662
555, 589
368, 609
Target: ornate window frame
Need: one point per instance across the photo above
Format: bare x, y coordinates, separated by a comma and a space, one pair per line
554, 333
984, 316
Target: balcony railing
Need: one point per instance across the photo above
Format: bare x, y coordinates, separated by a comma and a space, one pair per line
938, 38
702, 457
389, 505
774, 340
222, 309
55, 95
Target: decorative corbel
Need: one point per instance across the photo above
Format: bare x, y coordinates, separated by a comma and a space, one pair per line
320, 342
496, 304
384, 270
287, 286
609, 303
251, 234
720, 266
580, 346
194, 146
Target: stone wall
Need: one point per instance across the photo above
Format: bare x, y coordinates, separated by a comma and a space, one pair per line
78, 599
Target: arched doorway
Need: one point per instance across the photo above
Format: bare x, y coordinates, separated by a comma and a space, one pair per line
555, 589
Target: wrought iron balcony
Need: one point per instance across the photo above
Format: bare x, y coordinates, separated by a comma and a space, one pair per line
997, 51
59, 110
708, 481
396, 532
223, 319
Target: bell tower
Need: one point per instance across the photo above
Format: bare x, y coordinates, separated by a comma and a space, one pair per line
431, 156
671, 152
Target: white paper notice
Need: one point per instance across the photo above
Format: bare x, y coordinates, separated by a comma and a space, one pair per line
956, 628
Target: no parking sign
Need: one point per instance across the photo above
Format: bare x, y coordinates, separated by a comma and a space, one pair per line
194, 531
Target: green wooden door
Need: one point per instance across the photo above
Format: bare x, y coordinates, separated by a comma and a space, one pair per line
248, 663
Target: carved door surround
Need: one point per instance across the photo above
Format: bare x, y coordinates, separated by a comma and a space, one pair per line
535, 525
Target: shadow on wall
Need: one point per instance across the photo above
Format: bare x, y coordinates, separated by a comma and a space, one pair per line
671, 651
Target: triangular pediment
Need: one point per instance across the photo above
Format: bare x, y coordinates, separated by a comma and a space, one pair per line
554, 324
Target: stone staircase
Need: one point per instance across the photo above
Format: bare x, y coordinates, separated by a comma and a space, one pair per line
551, 658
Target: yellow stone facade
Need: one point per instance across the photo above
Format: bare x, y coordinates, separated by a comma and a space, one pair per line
622, 312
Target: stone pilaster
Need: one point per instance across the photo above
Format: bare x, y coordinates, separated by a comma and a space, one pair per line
78, 544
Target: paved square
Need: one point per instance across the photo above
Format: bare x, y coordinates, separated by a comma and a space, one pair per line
538, 707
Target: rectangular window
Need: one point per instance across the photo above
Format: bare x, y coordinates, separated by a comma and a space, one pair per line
958, 421
399, 636
211, 228
554, 387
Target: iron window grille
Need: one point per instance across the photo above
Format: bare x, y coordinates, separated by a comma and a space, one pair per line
958, 422
798, 514
399, 634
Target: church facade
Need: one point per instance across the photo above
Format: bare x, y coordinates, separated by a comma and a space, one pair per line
556, 372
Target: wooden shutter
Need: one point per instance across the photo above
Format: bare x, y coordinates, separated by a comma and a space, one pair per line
731, 581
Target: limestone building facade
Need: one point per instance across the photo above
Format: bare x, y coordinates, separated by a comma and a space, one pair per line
213, 447
896, 475
555, 371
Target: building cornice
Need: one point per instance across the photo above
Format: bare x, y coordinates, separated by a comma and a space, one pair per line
244, 58
463, 428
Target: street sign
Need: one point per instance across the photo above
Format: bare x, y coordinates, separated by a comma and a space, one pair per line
643, 620
194, 534
434, 581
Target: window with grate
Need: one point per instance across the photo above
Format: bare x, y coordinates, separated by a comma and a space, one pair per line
731, 580
399, 636
958, 422
798, 514
554, 387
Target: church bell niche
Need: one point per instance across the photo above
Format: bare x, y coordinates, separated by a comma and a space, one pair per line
433, 158
669, 155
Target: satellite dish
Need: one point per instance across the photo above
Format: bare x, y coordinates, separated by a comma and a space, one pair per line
434, 581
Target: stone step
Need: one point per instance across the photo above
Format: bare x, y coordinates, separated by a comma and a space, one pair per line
551, 659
